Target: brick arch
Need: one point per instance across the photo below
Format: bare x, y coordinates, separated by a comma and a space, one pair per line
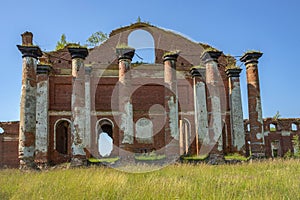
66, 147
164, 40
101, 122
107, 126
144, 44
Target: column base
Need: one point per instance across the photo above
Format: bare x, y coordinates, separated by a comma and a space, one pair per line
28, 164
257, 151
172, 150
126, 156
78, 161
216, 159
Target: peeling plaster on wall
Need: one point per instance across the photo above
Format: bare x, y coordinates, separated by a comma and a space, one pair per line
144, 131
78, 131
285, 133
27, 114
32, 62
173, 115
237, 117
201, 111
259, 117
30, 106
41, 141
259, 110
259, 136
217, 121
76, 65
87, 135
266, 133
127, 124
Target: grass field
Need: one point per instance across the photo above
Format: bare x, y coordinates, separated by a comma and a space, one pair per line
279, 179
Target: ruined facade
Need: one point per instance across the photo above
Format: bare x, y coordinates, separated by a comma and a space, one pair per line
185, 102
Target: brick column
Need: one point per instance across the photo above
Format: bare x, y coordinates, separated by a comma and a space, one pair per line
126, 136
200, 106
78, 106
254, 104
27, 130
214, 145
42, 105
236, 111
171, 106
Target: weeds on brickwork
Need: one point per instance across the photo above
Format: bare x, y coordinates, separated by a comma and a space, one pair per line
268, 179
296, 145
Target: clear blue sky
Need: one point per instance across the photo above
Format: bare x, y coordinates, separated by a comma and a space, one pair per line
234, 27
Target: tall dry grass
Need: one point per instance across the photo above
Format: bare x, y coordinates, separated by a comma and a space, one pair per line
279, 179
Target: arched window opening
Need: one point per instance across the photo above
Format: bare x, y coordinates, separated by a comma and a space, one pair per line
1, 130
63, 137
143, 43
105, 137
294, 127
273, 127
275, 147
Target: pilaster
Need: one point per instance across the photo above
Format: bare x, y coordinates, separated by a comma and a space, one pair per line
42, 106
236, 111
200, 106
78, 106
126, 129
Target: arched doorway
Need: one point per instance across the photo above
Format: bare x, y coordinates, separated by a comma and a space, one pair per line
105, 137
62, 143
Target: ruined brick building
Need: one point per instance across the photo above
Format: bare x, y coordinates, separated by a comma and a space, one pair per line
184, 102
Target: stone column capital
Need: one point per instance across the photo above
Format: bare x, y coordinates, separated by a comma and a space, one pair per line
251, 57
30, 51
125, 53
197, 71
211, 55
78, 52
171, 56
235, 72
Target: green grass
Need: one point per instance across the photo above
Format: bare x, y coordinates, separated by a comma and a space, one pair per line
150, 157
107, 160
194, 158
278, 179
235, 156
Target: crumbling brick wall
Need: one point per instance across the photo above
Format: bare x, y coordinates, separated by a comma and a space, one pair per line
9, 144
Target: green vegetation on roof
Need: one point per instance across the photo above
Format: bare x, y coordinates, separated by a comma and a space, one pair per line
210, 49
252, 51
169, 53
